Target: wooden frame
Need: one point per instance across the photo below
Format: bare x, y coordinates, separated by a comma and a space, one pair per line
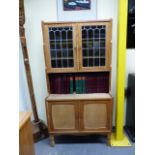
47, 47
108, 46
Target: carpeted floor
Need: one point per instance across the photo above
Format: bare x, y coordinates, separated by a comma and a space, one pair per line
83, 145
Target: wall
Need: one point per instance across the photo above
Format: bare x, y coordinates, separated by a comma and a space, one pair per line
24, 97
38, 10
35, 12
108, 9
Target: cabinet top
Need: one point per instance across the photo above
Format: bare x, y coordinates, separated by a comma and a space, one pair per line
65, 22
93, 96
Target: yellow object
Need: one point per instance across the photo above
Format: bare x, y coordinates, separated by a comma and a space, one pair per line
118, 138
117, 143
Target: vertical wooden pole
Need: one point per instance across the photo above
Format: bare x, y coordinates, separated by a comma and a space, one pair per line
39, 128
26, 58
119, 139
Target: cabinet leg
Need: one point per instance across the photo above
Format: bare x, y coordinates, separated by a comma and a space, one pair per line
108, 139
52, 141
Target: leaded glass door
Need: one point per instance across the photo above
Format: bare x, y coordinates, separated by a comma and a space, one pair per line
61, 47
95, 46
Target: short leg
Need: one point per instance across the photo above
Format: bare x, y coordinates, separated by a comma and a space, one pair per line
52, 142
108, 139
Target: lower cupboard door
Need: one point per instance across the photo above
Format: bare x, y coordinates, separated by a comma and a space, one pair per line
96, 115
63, 116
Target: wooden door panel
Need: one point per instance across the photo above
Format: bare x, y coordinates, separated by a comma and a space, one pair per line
62, 116
95, 46
60, 47
96, 115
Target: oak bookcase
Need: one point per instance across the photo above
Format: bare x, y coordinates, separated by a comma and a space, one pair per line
78, 73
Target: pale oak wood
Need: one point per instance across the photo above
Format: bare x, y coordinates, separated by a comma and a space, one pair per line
77, 45
90, 113
93, 96
26, 145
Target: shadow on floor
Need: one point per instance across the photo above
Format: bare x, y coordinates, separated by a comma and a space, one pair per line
80, 139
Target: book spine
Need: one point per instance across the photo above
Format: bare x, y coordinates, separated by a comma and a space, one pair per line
84, 85
77, 84
71, 85
58, 90
68, 84
80, 85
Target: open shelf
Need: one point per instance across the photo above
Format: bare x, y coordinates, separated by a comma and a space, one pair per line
79, 83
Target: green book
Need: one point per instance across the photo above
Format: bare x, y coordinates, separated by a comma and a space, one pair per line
77, 85
71, 85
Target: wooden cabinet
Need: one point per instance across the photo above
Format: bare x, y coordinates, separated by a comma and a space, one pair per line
78, 73
79, 114
77, 46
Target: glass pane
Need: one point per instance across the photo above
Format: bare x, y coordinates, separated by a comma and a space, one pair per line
70, 54
58, 63
96, 53
70, 34
65, 63
64, 45
64, 54
58, 45
61, 46
52, 45
90, 62
85, 62
54, 63
96, 61
102, 52
90, 52
102, 43
58, 53
70, 45
102, 33
53, 53
102, 61
93, 45
85, 53
70, 63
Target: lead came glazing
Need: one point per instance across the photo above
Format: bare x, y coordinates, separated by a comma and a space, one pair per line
93, 45
61, 47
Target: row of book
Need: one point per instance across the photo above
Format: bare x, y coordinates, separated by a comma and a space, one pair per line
60, 85
69, 84
97, 84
